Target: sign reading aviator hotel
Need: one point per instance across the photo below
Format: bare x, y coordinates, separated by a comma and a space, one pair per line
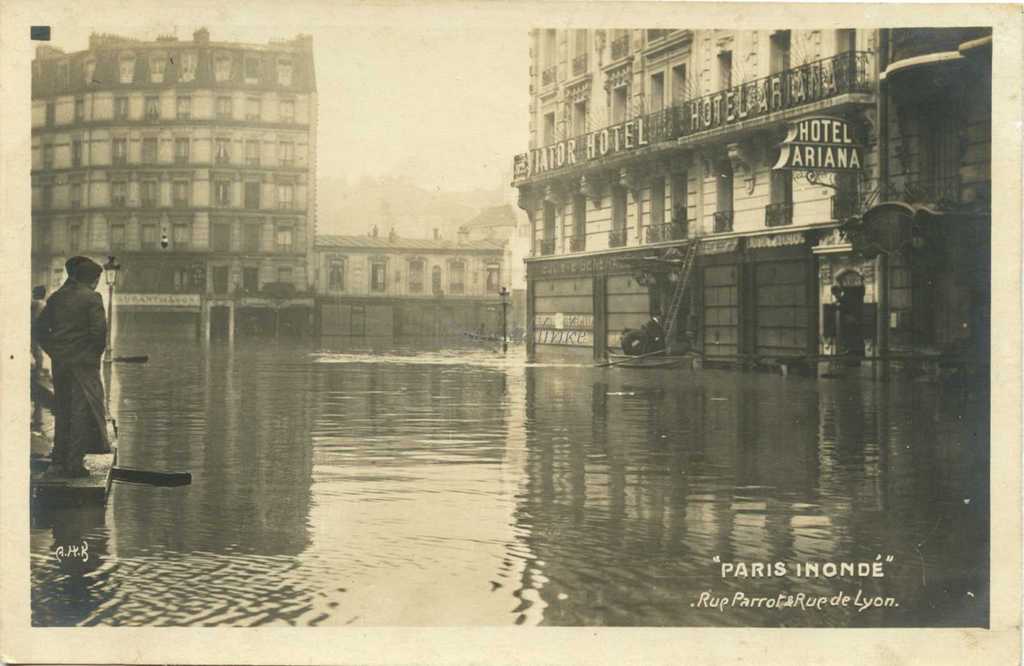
601, 143
820, 144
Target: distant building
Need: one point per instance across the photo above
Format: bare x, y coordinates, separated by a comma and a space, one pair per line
194, 162
508, 225
393, 286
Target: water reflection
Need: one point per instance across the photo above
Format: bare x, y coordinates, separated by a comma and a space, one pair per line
377, 484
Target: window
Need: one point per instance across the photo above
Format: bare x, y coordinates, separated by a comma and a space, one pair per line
252, 194
549, 128
126, 68
150, 236
578, 243
618, 234
284, 274
620, 104
285, 195
378, 276
548, 240
119, 194
723, 196
252, 108
286, 153
149, 149
222, 151
187, 64
493, 278
336, 275
224, 108
222, 67
435, 279
157, 67
182, 236
76, 152
416, 267
679, 194
221, 237
152, 108
150, 193
580, 124
119, 152
182, 279
184, 107
252, 69
181, 151
657, 91
76, 195
456, 277
222, 192
74, 238
220, 279
181, 193
121, 108
48, 152
252, 152
116, 236
724, 70
250, 279
780, 210
579, 60
287, 111
90, 72
79, 109
284, 72
251, 237
46, 192
680, 87
51, 113
779, 52
283, 238
846, 41
658, 201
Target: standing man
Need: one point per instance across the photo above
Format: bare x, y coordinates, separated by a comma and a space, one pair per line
72, 329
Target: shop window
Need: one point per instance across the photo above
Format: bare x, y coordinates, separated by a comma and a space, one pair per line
378, 276
221, 237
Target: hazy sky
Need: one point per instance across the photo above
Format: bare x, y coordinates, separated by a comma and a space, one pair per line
445, 106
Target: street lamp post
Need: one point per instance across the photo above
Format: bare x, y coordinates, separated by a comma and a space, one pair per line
503, 292
110, 271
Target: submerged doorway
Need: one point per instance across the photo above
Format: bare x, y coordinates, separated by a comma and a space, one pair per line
849, 301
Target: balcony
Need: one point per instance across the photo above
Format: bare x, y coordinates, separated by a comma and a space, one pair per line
620, 47
776, 215
617, 238
723, 221
655, 35
547, 247
579, 64
943, 193
845, 205
578, 243
669, 231
548, 76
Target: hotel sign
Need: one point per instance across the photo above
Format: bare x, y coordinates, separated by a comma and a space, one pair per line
820, 144
601, 143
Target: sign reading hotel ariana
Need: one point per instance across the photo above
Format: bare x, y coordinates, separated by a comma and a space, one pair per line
820, 144
600, 143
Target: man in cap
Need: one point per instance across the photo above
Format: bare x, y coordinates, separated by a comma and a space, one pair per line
72, 330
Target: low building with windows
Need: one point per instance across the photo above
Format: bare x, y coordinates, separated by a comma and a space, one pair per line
508, 225
369, 286
193, 162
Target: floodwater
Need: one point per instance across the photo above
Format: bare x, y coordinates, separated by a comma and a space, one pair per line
419, 485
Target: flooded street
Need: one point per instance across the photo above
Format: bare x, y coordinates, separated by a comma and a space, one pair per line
410, 485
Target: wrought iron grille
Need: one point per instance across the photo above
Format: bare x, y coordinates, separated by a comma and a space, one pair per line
657, 233
617, 238
578, 243
620, 47
547, 246
548, 76
844, 205
777, 215
723, 221
579, 64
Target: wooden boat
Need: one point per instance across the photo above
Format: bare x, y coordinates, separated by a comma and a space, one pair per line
625, 361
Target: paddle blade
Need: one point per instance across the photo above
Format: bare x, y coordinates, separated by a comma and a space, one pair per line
150, 478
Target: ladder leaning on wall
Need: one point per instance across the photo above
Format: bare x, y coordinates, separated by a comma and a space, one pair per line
682, 281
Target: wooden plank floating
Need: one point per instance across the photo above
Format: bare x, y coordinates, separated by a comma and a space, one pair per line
79, 491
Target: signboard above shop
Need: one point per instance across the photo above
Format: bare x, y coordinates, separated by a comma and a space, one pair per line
820, 144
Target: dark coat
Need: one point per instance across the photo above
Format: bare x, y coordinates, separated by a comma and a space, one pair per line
72, 328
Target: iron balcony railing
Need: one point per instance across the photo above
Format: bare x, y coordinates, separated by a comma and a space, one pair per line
548, 76
723, 221
778, 214
812, 83
620, 47
579, 64
653, 35
941, 192
578, 243
845, 204
547, 246
617, 238
669, 231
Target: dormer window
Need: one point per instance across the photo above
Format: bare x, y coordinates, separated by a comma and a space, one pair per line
126, 68
222, 67
187, 66
157, 67
284, 72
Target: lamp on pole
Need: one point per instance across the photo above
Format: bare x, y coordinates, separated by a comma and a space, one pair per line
503, 292
110, 272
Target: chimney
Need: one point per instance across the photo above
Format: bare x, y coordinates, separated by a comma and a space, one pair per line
201, 36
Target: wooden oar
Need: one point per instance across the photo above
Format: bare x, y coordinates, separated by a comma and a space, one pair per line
132, 359
150, 478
